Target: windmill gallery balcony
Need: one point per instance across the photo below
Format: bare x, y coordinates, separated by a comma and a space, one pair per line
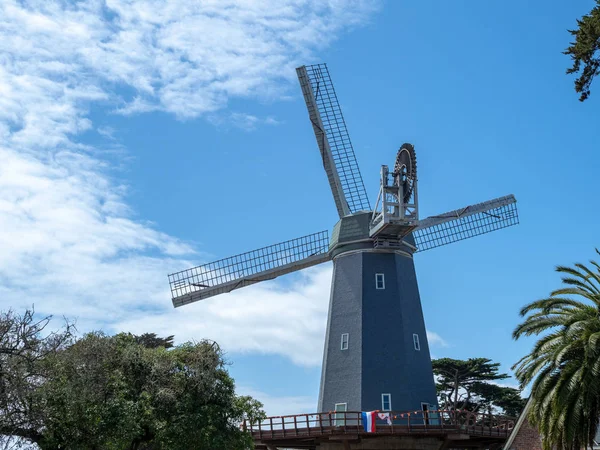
421, 430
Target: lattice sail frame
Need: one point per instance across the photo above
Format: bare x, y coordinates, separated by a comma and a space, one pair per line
333, 138
465, 223
228, 274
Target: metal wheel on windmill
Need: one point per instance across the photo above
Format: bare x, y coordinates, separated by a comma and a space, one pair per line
405, 170
376, 354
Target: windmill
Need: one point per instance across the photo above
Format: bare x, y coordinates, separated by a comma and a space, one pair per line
376, 354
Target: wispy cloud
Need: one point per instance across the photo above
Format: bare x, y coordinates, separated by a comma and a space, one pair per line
264, 318
280, 405
245, 121
69, 242
435, 340
107, 132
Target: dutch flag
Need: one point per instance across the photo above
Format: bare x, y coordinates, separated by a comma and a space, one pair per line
368, 420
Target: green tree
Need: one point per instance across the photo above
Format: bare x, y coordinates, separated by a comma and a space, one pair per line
151, 340
24, 345
468, 385
113, 392
585, 51
564, 364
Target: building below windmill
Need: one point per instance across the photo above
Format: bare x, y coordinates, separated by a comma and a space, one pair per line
526, 437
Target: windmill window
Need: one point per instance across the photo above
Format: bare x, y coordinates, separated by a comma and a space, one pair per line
344, 341
379, 281
386, 402
416, 342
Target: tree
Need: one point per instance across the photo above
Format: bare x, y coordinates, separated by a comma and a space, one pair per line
151, 340
563, 366
585, 51
112, 392
23, 346
468, 385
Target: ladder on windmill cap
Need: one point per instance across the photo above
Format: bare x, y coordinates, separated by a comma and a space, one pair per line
396, 211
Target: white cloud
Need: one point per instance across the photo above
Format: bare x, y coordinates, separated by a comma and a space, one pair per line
107, 132
69, 243
247, 122
280, 406
263, 318
435, 340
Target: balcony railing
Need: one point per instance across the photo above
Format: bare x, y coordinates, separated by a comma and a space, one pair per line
400, 422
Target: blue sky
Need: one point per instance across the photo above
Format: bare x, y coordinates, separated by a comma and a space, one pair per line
139, 139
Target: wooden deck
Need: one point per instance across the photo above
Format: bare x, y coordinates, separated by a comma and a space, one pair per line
310, 430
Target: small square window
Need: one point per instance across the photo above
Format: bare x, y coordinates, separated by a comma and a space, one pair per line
386, 402
416, 342
379, 281
344, 341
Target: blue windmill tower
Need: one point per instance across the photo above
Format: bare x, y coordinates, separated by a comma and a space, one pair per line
376, 354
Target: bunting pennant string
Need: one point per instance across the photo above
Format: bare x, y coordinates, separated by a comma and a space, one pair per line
386, 417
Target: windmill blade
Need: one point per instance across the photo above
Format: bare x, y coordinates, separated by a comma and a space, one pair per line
465, 223
332, 136
248, 268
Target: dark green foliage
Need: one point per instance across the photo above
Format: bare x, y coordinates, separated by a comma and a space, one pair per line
24, 345
151, 340
131, 392
585, 51
492, 397
564, 364
468, 385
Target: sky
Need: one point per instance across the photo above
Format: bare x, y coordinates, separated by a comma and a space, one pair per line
138, 138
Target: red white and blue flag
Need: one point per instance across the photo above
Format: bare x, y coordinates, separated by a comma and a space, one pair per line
368, 420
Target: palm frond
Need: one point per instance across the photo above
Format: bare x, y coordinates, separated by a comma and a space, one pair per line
563, 366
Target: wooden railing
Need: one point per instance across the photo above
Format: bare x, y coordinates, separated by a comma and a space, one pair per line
400, 422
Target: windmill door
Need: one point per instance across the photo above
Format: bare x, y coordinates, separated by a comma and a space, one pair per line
339, 419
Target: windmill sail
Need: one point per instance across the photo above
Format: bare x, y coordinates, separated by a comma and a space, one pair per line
334, 143
467, 222
248, 268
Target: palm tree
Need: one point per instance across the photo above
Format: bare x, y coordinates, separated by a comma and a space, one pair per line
564, 364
